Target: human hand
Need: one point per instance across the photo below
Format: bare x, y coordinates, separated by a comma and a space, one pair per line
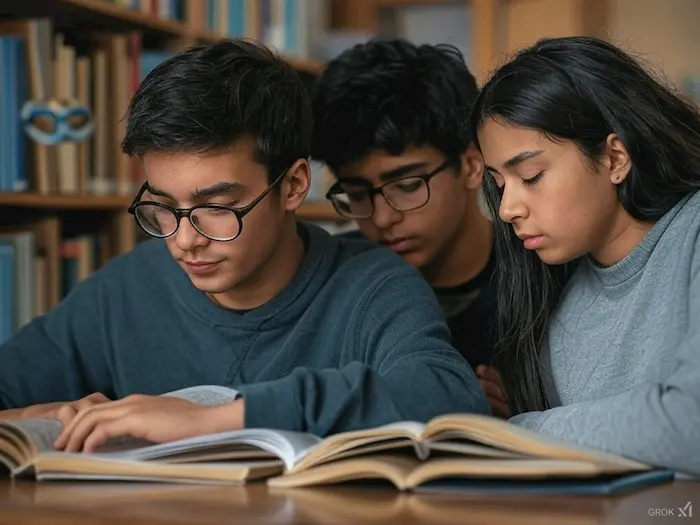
152, 418
64, 411
490, 381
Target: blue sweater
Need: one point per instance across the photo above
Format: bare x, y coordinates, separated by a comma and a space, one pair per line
355, 340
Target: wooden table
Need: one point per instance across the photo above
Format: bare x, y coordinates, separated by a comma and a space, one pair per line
59, 503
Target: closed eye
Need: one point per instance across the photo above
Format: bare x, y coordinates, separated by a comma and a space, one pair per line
533, 180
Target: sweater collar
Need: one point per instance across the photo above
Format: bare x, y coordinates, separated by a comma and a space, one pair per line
635, 261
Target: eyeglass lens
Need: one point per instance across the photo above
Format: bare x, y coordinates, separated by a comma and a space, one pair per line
403, 195
215, 223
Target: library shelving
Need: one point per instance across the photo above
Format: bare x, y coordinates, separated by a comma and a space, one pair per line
309, 211
63, 207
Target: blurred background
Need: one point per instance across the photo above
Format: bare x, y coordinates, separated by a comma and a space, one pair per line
69, 67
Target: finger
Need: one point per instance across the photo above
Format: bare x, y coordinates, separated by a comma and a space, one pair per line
87, 425
493, 390
105, 430
66, 414
93, 399
499, 408
81, 413
490, 373
72, 436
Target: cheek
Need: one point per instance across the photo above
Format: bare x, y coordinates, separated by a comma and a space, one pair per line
445, 208
575, 215
368, 229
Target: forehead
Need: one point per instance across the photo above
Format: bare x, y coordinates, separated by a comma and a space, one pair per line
378, 162
182, 172
500, 141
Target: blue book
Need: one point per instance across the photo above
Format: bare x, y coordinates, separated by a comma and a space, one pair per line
598, 486
7, 292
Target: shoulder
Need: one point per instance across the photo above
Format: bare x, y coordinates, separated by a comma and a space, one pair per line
361, 256
379, 280
359, 262
680, 234
146, 265
148, 258
351, 234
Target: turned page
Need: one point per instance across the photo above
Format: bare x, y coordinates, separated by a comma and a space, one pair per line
499, 434
40, 432
367, 441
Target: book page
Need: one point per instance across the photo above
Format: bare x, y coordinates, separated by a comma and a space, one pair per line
42, 432
400, 434
208, 395
497, 433
286, 445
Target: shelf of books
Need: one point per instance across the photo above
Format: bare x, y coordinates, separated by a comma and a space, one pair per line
74, 65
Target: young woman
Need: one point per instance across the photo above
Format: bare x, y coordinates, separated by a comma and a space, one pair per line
594, 168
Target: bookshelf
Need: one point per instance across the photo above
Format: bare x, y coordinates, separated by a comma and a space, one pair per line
91, 14
63, 208
309, 211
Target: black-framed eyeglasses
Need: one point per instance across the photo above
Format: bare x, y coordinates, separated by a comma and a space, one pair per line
217, 222
354, 197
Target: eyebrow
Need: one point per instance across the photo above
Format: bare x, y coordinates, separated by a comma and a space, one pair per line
401, 171
222, 188
517, 159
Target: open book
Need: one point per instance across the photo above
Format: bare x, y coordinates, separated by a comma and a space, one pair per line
407, 454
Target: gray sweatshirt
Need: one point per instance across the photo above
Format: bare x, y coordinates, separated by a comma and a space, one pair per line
622, 362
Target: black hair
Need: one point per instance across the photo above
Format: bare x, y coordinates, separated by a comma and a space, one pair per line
579, 89
388, 95
207, 97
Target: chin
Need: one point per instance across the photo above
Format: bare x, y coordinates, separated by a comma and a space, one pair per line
417, 259
213, 284
554, 257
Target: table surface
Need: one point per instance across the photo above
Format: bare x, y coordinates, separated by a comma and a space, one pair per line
70, 503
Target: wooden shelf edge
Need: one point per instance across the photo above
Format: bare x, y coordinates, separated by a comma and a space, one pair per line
309, 211
64, 202
174, 28
132, 16
319, 211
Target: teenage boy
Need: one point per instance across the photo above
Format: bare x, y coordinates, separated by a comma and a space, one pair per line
318, 333
390, 124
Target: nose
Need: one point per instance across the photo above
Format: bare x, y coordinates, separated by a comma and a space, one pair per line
187, 238
384, 215
512, 206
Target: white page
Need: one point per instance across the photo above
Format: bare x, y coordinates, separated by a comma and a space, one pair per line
288, 446
206, 394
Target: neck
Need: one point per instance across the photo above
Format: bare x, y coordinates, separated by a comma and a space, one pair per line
270, 278
625, 235
465, 254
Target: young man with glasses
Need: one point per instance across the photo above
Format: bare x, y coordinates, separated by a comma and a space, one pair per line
390, 123
233, 291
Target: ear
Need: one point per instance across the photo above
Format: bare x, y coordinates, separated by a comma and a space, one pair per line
617, 159
296, 184
472, 168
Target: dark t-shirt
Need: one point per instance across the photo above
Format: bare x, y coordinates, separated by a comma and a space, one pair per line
470, 310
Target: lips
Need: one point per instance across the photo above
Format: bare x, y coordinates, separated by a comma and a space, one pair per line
201, 267
398, 244
531, 242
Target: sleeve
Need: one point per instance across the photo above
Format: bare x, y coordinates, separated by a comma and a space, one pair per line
409, 371
655, 423
58, 356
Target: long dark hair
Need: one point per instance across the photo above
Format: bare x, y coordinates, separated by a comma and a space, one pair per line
578, 89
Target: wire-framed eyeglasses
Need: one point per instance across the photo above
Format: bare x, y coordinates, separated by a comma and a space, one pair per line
217, 222
353, 198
